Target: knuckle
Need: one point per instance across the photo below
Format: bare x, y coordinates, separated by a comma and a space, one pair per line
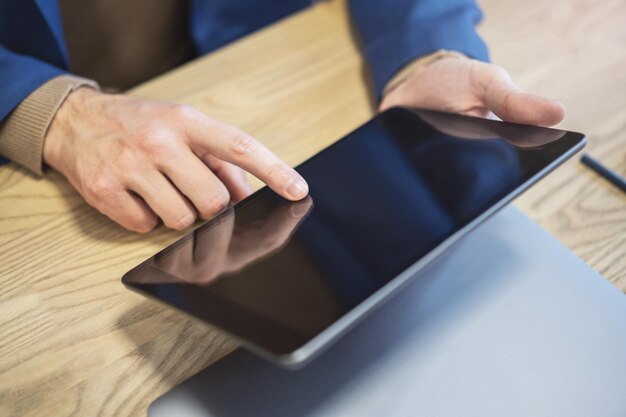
242, 144
126, 160
183, 221
496, 71
155, 140
143, 226
277, 174
216, 204
185, 111
102, 187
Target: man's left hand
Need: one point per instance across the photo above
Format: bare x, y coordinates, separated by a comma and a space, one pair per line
467, 86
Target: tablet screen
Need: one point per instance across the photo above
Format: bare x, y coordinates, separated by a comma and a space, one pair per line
276, 274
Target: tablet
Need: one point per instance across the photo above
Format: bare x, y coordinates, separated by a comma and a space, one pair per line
287, 278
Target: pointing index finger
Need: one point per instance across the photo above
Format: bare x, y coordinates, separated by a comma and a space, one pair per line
208, 136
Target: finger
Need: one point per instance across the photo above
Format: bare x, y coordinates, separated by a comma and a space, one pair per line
130, 211
508, 102
196, 181
232, 145
233, 177
163, 198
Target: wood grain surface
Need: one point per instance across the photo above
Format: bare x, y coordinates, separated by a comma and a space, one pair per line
75, 342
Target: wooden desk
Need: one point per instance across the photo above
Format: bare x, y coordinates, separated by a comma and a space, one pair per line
73, 341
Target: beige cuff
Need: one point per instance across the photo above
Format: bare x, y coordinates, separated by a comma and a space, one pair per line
416, 65
23, 131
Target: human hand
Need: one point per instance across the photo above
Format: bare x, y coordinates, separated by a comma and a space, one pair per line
137, 161
467, 86
223, 248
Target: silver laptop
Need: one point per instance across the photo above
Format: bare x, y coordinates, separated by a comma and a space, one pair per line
507, 323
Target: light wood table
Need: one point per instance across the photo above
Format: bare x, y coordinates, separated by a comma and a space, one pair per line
74, 341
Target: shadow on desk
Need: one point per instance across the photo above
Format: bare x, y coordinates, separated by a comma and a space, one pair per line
175, 345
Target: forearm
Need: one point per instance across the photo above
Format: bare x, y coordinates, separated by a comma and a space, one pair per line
394, 34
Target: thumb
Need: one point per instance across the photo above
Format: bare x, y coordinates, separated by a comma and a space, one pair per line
508, 102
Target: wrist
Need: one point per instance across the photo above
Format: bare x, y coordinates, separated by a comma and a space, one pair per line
62, 131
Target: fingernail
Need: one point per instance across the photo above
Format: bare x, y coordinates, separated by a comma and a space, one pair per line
298, 189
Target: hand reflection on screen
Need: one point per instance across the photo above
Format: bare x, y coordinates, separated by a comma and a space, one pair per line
224, 248
522, 136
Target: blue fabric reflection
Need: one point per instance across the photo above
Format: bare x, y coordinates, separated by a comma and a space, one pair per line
428, 183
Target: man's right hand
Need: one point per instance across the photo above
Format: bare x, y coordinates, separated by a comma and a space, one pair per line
137, 161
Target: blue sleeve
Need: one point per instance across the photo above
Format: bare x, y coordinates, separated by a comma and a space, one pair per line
394, 32
20, 75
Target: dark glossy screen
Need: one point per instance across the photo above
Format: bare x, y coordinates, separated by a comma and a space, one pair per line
277, 273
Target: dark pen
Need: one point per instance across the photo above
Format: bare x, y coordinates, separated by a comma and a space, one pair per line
604, 172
